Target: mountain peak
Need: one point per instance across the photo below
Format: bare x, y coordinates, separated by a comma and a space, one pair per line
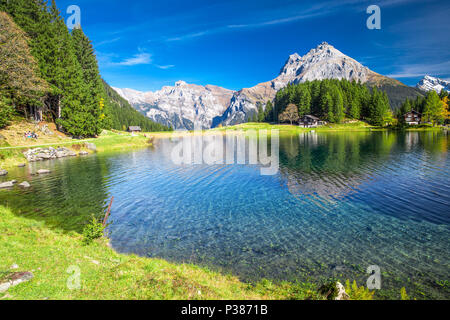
180, 83
429, 83
324, 45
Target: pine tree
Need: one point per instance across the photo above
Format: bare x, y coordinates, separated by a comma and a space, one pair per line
326, 106
338, 106
304, 103
355, 110
95, 93
260, 115
268, 112
51, 45
380, 111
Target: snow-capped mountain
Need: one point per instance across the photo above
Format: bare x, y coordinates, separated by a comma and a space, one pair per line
323, 62
431, 83
182, 105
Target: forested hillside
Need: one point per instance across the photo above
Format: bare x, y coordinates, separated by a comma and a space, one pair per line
124, 115
49, 73
334, 100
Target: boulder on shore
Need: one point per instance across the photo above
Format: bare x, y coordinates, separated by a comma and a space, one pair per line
91, 146
40, 154
15, 279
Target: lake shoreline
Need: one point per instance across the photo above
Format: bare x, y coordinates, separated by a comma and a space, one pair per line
11, 155
28, 244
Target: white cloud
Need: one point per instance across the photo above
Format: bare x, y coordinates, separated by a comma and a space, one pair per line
101, 43
137, 59
165, 67
420, 70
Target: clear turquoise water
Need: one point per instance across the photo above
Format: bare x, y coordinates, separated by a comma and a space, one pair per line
340, 203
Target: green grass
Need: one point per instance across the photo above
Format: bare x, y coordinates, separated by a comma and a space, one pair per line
356, 126
108, 141
105, 274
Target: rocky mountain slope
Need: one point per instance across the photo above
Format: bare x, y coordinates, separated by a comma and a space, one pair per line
182, 105
431, 83
323, 62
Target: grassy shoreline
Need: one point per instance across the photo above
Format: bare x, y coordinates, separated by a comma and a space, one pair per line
112, 141
105, 274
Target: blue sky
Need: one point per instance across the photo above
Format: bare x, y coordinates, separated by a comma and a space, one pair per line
145, 45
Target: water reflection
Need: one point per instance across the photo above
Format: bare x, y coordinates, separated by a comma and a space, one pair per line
74, 191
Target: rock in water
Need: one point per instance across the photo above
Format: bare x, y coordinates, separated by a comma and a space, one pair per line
341, 294
334, 291
25, 185
91, 146
83, 153
22, 165
8, 184
43, 171
3, 172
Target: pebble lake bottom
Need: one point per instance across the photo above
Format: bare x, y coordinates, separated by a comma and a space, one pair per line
339, 203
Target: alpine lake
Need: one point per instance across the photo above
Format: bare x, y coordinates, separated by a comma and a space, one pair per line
339, 203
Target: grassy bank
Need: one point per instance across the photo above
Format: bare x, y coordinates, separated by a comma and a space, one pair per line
355, 126
105, 274
13, 143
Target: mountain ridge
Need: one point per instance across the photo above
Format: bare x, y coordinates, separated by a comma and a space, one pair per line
233, 107
429, 83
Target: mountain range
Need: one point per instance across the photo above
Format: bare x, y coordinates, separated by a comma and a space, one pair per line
429, 83
185, 105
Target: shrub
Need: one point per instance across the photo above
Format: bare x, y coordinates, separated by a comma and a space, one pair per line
329, 290
92, 231
358, 293
403, 294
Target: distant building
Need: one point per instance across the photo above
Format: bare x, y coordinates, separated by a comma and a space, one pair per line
413, 118
310, 121
133, 129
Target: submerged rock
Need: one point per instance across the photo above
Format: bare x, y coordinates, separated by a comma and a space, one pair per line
25, 185
43, 171
3, 172
21, 165
8, 184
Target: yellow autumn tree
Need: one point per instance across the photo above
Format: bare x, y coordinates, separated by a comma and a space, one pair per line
20, 84
445, 109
